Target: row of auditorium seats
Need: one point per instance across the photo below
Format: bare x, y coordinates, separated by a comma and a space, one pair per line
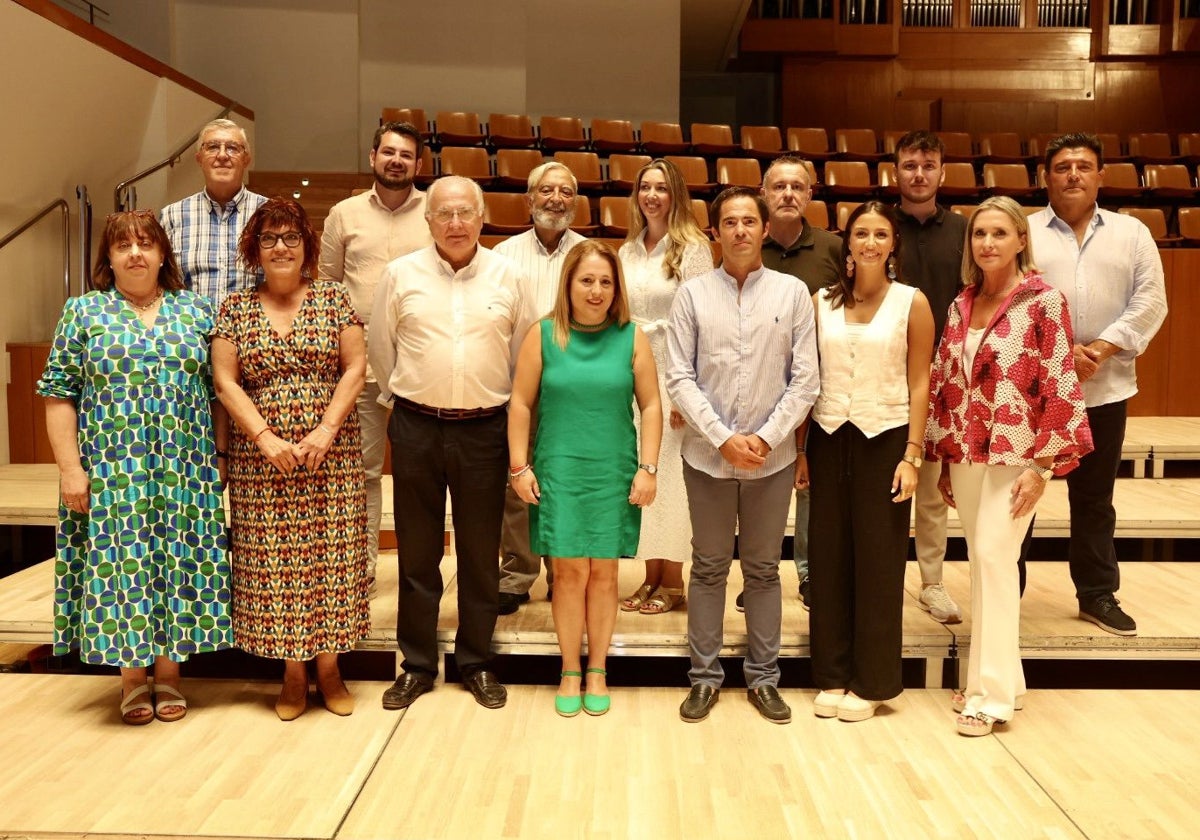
506, 212
764, 142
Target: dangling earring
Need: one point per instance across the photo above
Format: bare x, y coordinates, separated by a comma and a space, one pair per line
891, 267
849, 266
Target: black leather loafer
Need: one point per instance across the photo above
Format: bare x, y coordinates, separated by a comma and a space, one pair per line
486, 689
770, 705
699, 702
406, 689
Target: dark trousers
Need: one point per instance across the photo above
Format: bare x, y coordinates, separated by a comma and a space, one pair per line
1091, 554
470, 457
857, 548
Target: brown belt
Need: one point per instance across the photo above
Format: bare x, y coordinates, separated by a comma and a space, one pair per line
452, 413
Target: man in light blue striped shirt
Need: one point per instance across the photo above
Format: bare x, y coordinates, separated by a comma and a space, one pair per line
743, 372
204, 228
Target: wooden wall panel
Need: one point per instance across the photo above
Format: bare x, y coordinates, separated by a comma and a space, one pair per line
28, 442
1183, 383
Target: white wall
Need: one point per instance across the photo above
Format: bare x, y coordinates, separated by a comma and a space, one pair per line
341, 61
84, 117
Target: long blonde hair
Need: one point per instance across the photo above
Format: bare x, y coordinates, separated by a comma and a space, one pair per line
562, 314
682, 229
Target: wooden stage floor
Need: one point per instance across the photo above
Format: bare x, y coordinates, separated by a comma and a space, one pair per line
1073, 764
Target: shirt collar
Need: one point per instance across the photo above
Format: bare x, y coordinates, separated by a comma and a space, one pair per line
660, 246
1054, 221
936, 218
415, 196
467, 272
219, 208
807, 239
752, 277
543, 250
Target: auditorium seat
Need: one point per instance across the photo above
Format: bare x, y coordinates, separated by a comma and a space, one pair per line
416, 116
695, 173
614, 216
809, 143
844, 209
470, 162
1189, 148
1011, 179
661, 138
700, 214
514, 165
1110, 145
857, 144
583, 222
712, 140
610, 136
1002, 147
505, 213
890, 138
1037, 143
885, 177
964, 210
1169, 182
763, 142
1147, 147
740, 172
1121, 182
623, 170
817, 214
459, 128
847, 178
585, 166
959, 181
960, 148
562, 134
1155, 219
511, 131
1189, 226
428, 172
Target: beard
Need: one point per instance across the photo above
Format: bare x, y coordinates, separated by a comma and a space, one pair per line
550, 220
401, 182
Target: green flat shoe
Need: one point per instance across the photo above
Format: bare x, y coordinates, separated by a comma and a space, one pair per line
596, 704
568, 706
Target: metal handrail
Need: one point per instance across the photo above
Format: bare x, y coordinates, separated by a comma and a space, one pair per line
66, 230
85, 236
121, 190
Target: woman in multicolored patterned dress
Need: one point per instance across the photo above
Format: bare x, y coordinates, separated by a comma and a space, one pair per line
289, 360
1006, 415
141, 578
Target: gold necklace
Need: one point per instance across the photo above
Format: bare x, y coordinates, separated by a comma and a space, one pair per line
143, 308
575, 325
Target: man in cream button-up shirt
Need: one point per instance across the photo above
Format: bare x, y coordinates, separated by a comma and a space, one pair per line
445, 327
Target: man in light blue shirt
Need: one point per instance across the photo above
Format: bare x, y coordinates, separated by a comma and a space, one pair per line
742, 371
1109, 269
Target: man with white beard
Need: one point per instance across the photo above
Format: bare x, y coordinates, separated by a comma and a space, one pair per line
539, 253
362, 235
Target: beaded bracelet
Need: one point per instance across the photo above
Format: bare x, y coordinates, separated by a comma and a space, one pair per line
327, 430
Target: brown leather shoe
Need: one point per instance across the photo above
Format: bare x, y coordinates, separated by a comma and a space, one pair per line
486, 689
407, 688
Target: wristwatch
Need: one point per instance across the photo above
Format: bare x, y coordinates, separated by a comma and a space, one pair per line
650, 468
1044, 474
915, 460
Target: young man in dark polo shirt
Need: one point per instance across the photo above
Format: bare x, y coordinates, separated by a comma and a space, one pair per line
931, 260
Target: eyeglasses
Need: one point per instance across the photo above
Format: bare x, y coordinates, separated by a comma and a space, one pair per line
141, 214
213, 148
267, 240
446, 214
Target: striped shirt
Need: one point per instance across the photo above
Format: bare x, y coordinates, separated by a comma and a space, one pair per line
542, 268
204, 235
742, 363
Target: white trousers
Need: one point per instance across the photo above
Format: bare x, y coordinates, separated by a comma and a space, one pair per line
983, 494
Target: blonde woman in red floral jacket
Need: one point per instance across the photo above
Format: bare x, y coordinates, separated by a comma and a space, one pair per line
1006, 415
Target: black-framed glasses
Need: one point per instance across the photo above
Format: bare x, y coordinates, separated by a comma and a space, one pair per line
290, 238
213, 148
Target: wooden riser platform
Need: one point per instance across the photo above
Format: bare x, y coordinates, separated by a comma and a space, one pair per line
1158, 595
1073, 764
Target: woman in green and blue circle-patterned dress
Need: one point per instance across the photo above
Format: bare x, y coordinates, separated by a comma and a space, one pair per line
141, 576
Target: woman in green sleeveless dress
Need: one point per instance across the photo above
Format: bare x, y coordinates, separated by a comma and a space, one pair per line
583, 368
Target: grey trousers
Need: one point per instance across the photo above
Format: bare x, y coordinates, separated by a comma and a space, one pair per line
756, 510
519, 566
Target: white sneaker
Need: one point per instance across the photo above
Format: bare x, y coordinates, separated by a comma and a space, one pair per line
940, 606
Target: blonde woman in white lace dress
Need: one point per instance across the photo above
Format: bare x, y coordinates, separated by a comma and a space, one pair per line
665, 247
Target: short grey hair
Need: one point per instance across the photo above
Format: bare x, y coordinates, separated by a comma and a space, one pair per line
220, 125
540, 172
448, 179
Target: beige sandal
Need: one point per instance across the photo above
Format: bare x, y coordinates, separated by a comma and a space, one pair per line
634, 602
664, 600
167, 697
132, 703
